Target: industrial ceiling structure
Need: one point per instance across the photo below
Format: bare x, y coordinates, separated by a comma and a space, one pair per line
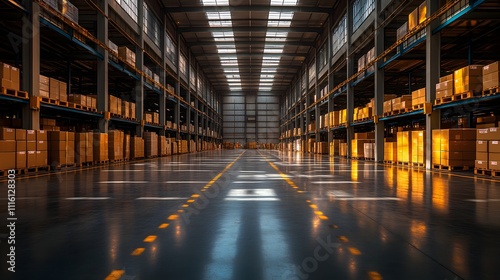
250, 46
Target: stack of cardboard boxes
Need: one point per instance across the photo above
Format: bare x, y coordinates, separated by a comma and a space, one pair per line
115, 105
126, 147
418, 97
469, 78
335, 147
491, 76
162, 146
418, 147
322, 148
7, 148
61, 148
369, 150
182, 146
81, 142
42, 148
151, 144
127, 55
358, 143
9, 76
343, 149
44, 86
488, 149
454, 147
192, 146
136, 147
445, 87
417, 16
58, 90
390, 151
403, 102
404, 146
101, 144
116, 139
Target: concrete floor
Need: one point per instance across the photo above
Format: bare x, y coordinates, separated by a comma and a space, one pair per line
255, 215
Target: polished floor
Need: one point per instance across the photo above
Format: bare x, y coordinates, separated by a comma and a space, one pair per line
254, 215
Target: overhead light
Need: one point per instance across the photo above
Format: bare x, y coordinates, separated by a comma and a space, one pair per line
284, 2
215, 2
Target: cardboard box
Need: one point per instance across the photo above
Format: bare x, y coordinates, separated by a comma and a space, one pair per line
401, 32
78, 99
63, 91
50, 122
422, 12
6, 83
5, 71
7, 146
89, 147
491, 68
126, 54
42, 145
7, 133
42, 158
54, 89
30, 135
21, 160
482, 146
21, 134
413, 19
494, 165
57, 136
469, 78
30, 145
15, 78
100, 143
8, 160
494, 146
481, 164
31, 159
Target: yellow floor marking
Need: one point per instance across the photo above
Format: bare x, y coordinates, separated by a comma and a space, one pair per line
164, 225
190, 201
343, 238
354, 251
115, 275
195, 195
138, 251
180, 211
150, 238
308, 201
185, 205
323, 217
313, 206
318, 213
173, 217
373, 275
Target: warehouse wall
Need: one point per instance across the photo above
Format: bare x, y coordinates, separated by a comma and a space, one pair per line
251, 118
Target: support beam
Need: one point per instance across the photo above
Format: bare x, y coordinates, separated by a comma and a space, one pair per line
238, 41
31, 61
139, 62
253, 54
350, 89
432, 65
379, 87
318, 30
252, 8
102, 66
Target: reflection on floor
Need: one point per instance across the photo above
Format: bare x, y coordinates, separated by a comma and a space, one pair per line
255, 215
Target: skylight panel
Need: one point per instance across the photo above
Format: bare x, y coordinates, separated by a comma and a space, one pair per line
264, 88
269, 70
232, 76
231, 70
220, 23
264, 76
226, 50
284, 2
219, 15
215, 2
269, 49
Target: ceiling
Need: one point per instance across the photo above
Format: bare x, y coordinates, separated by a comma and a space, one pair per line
250, 46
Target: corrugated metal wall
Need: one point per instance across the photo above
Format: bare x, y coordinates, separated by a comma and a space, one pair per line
251, 118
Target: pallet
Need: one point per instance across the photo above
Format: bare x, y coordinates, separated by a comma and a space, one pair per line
74, 106
401, 111
491, 91
443, 100
60, 166
363, 120
462, 96
84, 164
486, 172
418, 106
415, 164
100, 162
116, 160
389, 162
63, 103
50, 101
450, 168
403, 163
13, 92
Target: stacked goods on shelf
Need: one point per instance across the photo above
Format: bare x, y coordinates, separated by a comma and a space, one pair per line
114, 50
454, 147
404, 146
469, 79
58, 90
116, 139
44, 86
7, 148
322, 148
115, 105
335, 147
148, 117
358, 143
369, 150
191, 126
343, 117
418, 98
487, 122
491, 76
21, 149
182, 146
361, 65
132, 110
192, 146
126, 146
49, 125
92, 101
81, 147
125, 109
311, 126
31, 149
488, 149
402, 103
418, 147
170, 88
9, 76
310, 145
162, 146
69, 10
417, 16
42, 148
390, 151
127, 55
343, 149
101, 147
387, 107
362, 113
136, 147
151, 144
334, 118
370, 56
445, 87
78, 99
252, 145
61, 148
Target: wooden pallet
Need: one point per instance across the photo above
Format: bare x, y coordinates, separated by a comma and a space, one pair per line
363, 120
418, 106
415, 164
450, 168
491, 91
389, 162
443, 100
74, 106
63, 103
100, 162
13, 92
24, 171
462, 96
116, 160
50, 101
401, 111
486, 172
84, 164
403, 163
60, 166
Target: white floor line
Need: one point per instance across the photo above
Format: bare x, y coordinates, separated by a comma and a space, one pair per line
157, 170
162, 198
334, 182
483, 200
186, 182
248, 182
251, 199
123, 182
87, 198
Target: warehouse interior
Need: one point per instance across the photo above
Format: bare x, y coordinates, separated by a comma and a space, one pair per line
250, 139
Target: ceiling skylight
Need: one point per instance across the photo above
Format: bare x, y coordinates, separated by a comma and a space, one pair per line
215, 2
284, 2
